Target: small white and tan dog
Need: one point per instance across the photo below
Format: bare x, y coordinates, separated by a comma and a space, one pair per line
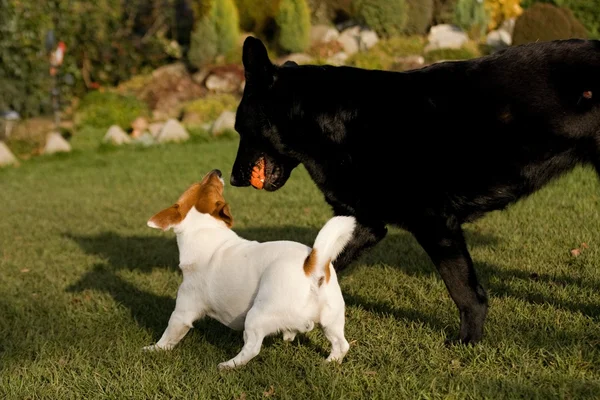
263, 288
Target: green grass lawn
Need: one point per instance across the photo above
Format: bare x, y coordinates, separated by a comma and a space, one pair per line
85, 284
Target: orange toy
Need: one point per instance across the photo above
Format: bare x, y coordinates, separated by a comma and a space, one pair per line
257, 179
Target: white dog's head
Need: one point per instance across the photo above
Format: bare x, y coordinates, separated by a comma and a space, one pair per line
205, 197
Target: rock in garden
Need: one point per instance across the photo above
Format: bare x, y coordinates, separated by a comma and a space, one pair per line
368, 38
337, 59
116, 135
298, 58
154, 128
445, 36
225, 79
323, 34
146, 140
349, 40
139, 126
225, 121
55, 143
498, 39
6, 156
172, 131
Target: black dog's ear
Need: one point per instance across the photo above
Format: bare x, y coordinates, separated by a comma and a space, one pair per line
257, 66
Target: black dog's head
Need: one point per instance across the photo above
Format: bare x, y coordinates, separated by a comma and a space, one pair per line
261, 140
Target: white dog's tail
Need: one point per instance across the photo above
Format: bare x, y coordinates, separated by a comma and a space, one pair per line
330, 242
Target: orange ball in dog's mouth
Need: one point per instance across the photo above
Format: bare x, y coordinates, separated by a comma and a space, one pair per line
257, 180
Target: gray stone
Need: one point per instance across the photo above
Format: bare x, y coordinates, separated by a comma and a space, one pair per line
154, 128
172, 131
298, 58
323, 34
349, 40
55, 143
116, 135
368, 38
225, 121
6, 156
337, 59
445, 36
498, 39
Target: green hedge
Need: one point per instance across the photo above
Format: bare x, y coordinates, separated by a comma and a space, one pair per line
103, 109
216, 32
544, 22
107, 41
386, 17
586, 11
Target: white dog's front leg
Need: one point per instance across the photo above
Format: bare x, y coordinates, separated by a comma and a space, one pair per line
179, 324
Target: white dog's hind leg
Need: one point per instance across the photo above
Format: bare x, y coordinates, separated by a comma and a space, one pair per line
179, 325
333, 327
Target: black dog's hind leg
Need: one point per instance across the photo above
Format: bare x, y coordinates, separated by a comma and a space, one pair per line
444, 242
364, 237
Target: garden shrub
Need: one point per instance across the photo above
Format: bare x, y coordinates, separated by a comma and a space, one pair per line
586, 11
216, 32
102, 109
293, 25
386, 51
420, 13
443, 12
386, 17
545, 22
208, 109
471, 16
464, 53
257, 16
330, 11
502, 10
103, 40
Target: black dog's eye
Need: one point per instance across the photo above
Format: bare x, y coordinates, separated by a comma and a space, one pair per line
587, 94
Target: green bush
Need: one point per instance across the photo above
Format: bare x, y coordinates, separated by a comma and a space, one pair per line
464, 53
293, 23
208, 109
215, 33
420, 14
545, 22
103, 39
472, 17
386, 51
586, 11
443, 12
386, 17
103, 109
328, 11
257, 16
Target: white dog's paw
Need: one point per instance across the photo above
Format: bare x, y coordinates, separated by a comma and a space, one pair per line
226, 365
154, 347
335, 357
289, 336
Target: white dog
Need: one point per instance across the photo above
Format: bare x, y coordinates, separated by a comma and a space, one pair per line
262, 288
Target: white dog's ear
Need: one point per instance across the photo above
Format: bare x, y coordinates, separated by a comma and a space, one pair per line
223, 213
165, 219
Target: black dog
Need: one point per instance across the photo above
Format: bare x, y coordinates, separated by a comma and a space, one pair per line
445, 143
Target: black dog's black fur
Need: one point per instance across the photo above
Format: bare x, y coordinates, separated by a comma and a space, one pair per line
426, 150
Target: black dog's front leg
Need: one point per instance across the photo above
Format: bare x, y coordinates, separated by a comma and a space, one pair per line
365, 236
444, 242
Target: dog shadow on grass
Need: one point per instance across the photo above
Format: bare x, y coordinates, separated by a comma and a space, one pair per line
144, 253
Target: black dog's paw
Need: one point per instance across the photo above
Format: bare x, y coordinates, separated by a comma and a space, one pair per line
456, 341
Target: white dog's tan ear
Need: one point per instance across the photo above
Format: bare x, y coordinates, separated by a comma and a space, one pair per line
223, 213
166, 219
